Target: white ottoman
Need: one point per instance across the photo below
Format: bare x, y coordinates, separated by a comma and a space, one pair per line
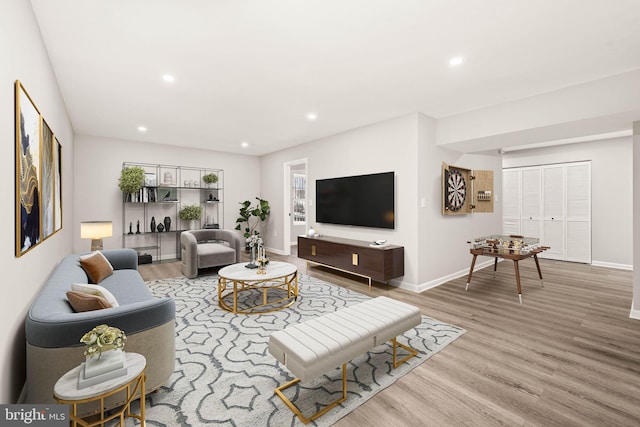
324, 343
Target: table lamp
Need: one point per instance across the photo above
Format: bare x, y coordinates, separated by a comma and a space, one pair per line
96, 231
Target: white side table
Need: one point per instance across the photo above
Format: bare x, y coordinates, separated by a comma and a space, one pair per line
66, 391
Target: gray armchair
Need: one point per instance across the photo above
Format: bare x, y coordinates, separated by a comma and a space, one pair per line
208, 248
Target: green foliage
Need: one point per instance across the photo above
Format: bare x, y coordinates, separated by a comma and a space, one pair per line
210, 178
131, 179
190, 212
252, 216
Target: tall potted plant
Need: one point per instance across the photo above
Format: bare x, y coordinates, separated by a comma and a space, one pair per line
252, 216
190, 214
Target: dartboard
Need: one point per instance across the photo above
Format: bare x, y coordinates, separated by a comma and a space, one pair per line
456, 190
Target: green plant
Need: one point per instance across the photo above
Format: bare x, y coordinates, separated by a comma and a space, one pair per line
210, 178
131, 179
252, 215
190, 212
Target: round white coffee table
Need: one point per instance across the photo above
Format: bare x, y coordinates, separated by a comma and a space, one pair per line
279, 278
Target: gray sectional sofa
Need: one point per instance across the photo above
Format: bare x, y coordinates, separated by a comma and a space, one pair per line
53, 330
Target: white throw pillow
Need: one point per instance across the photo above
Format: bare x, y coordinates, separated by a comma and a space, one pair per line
96, 290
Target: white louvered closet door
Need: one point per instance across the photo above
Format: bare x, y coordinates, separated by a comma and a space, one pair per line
579, 212
553, 212
552, 202
531, 200
511, 201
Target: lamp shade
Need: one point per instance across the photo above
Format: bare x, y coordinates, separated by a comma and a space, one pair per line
96, 229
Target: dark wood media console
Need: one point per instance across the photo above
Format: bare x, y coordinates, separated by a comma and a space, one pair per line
353, 256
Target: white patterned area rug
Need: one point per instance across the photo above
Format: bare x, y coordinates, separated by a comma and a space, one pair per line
225, 375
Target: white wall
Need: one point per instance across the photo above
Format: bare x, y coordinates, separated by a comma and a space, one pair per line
382, 147
635, 234
24, 58
602, 106
444, 252
435, 246
611, 190
99, 162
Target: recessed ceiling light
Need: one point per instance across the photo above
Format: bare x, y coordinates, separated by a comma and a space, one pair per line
168, 78
244, 144
456, 60
312, 116
142, 129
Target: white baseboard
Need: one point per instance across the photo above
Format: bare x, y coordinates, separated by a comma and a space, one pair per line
635, 314
404, 285
439, 281
444, 279
612, 265
275, 251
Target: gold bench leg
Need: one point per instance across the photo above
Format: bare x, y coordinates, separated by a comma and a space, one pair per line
412, 353
324, 410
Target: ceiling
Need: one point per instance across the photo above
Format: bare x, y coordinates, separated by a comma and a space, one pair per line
251, 70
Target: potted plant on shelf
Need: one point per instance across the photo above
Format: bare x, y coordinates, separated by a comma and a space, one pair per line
131, 180
210, 178
252, 216
190, 214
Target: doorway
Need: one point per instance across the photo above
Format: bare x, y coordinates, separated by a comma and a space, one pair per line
296, 202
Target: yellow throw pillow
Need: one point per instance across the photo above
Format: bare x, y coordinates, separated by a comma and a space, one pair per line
96, 290
96, 266
81, 301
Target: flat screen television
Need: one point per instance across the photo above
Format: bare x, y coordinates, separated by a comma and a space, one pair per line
362, 200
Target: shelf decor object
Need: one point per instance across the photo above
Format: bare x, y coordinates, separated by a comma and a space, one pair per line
210, 178
131, 179
190, 213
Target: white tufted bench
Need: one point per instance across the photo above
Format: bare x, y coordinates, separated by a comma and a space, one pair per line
324, 343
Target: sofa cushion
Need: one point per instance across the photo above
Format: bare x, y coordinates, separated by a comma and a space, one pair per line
213, 254
82, 301
127, 287
96, 266
95, 290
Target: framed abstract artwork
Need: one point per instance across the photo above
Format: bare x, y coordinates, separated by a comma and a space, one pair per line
47, 181
57, 185
38, 190
28, 186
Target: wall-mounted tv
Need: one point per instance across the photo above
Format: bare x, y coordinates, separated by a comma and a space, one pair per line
362, 200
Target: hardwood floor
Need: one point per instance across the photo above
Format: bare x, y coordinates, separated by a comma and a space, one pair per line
568, 356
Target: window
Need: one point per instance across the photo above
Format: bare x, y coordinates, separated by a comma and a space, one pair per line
299, 199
